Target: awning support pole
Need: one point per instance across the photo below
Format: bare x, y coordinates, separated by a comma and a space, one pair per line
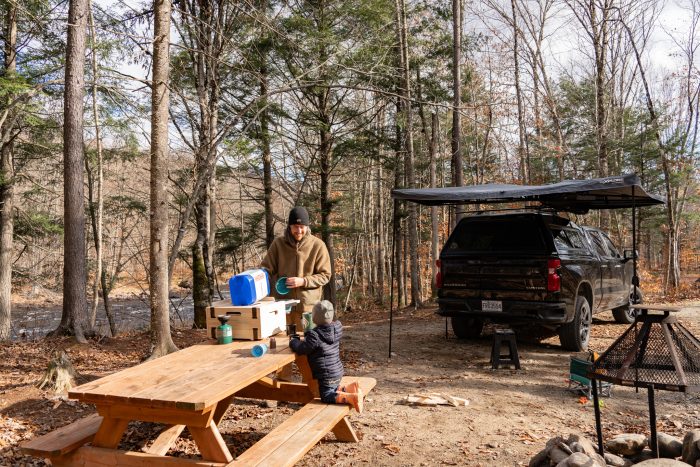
635, 277
391, 281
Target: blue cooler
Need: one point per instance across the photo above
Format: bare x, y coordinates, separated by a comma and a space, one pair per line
249, 287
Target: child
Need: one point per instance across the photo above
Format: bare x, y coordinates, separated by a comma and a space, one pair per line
322, 347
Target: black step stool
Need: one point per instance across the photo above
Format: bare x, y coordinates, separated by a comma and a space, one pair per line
504, 336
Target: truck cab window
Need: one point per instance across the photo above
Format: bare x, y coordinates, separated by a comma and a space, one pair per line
611, 247
598, 244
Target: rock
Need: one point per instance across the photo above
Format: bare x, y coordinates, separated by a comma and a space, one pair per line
628, 444
599, 460
551, 442
645, 455
661, 463
690, 452
616, 461
565, 447
556, 454
578, 459
669, 446
579, 443
541, 459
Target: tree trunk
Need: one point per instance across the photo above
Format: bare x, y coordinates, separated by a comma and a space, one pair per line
524, 158
416, 298
435, 232
7, 180
397, 255
266, 157
329, 292
200, 278
457, 170
600, 43
74, 319
161, 340
96, 217
381, 251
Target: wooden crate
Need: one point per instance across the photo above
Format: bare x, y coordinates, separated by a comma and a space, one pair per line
253, 322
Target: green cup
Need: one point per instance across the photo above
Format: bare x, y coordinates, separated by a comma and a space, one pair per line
307, 321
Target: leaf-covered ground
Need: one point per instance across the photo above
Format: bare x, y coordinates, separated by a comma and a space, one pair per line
510, 415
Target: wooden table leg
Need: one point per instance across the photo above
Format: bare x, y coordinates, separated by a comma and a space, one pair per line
210, 443
221, 409
305, 370
344, 431
165, 440
110, 432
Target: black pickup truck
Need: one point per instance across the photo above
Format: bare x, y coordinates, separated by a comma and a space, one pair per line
532, 267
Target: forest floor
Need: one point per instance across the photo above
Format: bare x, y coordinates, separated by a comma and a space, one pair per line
510, 415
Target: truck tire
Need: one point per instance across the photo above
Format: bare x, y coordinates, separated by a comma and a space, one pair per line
625, 314
467, 328
576, 334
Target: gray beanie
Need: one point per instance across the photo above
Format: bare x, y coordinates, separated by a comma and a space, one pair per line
322, 313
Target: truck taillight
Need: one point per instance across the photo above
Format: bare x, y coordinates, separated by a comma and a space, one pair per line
553, 277
438, 276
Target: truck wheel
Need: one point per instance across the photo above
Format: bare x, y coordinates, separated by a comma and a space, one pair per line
625, 314
467, 328
575, 335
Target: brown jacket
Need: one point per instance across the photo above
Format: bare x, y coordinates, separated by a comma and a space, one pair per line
307, 259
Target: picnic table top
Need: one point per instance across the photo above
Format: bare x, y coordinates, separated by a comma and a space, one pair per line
195, 378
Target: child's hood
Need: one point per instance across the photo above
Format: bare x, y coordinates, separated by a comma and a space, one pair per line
330, 333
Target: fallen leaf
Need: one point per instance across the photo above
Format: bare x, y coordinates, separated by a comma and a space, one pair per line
392, 448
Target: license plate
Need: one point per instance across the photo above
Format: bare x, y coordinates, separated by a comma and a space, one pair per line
491, 305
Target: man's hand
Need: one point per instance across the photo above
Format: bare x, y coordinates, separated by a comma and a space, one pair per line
293, 282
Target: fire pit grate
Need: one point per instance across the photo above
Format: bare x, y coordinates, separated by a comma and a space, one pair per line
655, 350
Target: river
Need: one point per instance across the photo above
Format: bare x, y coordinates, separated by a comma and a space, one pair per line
34, 322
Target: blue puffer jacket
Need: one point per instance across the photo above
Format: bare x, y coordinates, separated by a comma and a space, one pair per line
322, 346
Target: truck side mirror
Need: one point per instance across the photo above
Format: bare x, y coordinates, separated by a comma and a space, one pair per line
629, 254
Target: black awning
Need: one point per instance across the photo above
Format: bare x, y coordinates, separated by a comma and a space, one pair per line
623, 191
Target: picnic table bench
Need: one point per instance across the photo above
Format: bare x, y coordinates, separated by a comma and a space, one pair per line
192, 389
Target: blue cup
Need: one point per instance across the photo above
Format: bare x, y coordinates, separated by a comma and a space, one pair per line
281, 286
258, 350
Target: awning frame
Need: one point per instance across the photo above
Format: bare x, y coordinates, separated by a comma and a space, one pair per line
575, 196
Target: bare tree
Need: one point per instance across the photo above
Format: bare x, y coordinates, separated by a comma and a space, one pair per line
407, 147
74, 319
595, 17
96, 215
534, 21
432, 141
523, 153
457, 170
676, 165
161, 340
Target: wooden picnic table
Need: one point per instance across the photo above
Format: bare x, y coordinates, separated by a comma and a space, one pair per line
193, 388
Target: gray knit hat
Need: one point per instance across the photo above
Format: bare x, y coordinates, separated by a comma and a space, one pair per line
322, 313
298, 215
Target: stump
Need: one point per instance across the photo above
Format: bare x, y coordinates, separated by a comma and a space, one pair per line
60, 375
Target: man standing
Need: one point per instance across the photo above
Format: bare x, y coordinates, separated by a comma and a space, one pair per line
303, 259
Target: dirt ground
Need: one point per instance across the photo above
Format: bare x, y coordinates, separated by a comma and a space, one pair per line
509, 417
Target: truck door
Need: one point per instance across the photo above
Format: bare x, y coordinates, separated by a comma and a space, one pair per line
619, 290
606, 268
